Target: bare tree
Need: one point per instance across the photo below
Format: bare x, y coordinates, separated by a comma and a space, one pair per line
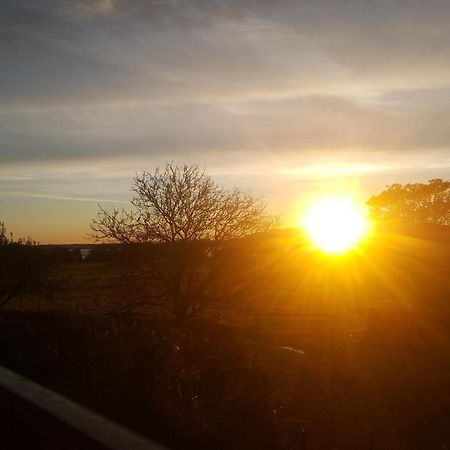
191, 220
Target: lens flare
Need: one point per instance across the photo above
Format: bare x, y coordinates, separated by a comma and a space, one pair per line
335, 224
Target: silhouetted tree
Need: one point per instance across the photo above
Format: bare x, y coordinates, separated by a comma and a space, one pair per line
23, 266
418, 202
191, 220
3, 235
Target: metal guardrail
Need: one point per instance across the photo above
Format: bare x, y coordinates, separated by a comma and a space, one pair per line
38, 414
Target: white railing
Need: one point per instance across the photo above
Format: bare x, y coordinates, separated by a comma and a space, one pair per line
64, 423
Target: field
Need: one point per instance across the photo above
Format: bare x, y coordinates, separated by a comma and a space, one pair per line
321, 353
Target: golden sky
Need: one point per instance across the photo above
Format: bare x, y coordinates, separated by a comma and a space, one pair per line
284, 98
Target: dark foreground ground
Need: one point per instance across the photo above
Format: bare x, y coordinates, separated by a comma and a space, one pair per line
347, 353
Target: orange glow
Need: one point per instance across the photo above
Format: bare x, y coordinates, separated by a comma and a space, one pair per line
335, 224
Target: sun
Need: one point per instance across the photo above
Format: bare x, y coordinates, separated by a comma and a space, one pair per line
335, 224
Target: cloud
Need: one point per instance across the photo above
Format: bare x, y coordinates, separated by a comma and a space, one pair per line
59, 197
115, 80
104, 51
308, 125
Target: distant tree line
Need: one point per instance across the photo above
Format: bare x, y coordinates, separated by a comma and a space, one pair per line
8, 238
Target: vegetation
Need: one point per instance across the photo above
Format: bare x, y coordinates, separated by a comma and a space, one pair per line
23, 267
190, 220
423, 203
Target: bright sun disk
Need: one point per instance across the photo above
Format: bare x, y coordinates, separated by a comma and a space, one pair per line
335, 224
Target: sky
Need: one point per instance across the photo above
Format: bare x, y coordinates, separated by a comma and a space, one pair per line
283, 98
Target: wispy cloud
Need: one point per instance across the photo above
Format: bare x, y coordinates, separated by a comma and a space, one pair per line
59, 197
94, 90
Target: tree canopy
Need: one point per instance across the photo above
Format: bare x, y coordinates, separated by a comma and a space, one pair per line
194, 221
182, 204
423, 203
